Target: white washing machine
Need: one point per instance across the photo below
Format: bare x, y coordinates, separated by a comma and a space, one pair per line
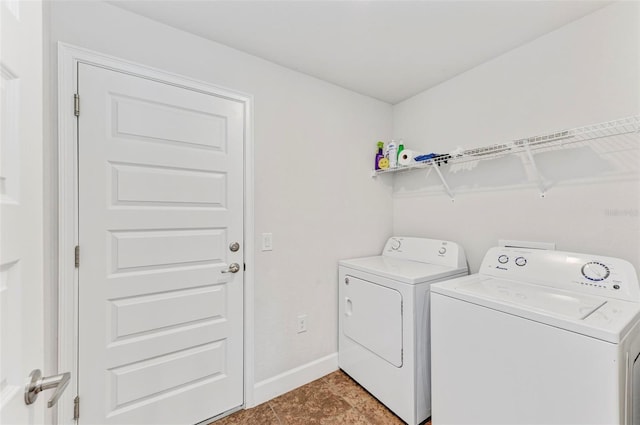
537, 337
384, 320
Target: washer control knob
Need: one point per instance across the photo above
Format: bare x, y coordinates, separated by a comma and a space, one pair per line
395, 244
442, 251
521, 261
503, 259
595, 271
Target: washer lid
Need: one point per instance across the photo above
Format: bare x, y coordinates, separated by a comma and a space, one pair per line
604, 318
533, 297
406, 271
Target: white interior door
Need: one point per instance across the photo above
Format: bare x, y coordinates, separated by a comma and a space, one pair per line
21, 219
160, 205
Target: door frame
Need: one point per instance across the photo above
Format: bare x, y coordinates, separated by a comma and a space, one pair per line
69, 57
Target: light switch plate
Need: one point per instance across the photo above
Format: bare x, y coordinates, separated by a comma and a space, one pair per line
267, 241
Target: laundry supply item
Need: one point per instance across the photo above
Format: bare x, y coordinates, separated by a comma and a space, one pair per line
379, 155
442, 158
439, 159
392, 154
406, 157
400, 149
425, 157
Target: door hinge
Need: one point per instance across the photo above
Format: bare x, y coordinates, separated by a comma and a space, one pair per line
76, 407
244, 267
77, 256
76, 105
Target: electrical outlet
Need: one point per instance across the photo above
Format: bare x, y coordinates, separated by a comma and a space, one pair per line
267, 241
302, 323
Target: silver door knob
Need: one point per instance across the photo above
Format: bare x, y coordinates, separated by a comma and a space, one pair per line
38, 383
234, 246
233, 268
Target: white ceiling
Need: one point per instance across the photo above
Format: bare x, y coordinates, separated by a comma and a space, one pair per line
389, 50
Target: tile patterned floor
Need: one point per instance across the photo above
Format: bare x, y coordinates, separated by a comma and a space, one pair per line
332, 399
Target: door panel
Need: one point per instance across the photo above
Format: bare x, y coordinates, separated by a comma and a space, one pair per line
166, 187
21, 209
160, 198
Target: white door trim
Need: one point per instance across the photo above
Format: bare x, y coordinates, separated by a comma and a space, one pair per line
68, 59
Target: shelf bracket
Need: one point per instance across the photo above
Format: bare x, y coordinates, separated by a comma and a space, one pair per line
538, 177
444, 182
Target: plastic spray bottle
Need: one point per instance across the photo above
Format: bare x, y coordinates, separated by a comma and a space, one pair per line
379, 155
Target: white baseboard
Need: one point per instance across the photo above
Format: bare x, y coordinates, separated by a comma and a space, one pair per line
294, 378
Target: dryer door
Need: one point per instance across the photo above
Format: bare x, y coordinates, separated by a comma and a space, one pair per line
373, 318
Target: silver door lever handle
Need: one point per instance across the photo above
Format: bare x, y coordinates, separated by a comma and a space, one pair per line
38, 383
233, 268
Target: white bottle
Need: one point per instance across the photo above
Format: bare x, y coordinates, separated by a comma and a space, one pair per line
392, 152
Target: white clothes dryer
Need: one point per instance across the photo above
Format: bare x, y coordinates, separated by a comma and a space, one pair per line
384, 320
537, 337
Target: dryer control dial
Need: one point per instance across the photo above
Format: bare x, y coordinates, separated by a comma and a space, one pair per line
595, 271
503, 259
395, 244
442, 251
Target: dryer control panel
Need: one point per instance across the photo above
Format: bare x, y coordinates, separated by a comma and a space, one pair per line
433, 251
598, 275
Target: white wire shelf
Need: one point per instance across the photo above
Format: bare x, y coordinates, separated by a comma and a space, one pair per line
549, 141
624, 132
